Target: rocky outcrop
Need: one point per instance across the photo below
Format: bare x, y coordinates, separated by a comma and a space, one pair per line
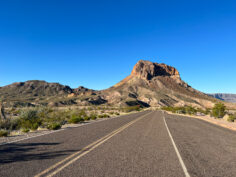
84, 91
155, 85
147, 70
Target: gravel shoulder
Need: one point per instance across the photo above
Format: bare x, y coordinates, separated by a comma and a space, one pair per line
219, 122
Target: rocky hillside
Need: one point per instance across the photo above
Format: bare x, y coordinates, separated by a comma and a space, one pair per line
154, 84
225, 97
32, 92
149, 84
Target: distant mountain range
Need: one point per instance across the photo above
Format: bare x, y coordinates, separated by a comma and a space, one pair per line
225, 97
149, 84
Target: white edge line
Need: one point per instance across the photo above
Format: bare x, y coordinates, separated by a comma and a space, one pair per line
55, 131
176, 150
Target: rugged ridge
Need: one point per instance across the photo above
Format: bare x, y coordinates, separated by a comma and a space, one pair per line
224, 96
149, 84
155, 84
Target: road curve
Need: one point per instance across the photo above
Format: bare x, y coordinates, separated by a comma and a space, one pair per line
141, 144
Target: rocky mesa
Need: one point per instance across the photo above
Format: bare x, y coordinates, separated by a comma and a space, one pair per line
154, 84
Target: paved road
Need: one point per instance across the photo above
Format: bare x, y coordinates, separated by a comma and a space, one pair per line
142, 144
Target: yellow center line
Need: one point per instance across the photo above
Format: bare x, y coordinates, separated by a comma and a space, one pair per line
86, 150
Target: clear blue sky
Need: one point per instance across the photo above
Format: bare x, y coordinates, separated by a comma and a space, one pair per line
97, 43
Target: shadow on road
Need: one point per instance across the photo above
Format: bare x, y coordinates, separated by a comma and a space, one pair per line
27, 152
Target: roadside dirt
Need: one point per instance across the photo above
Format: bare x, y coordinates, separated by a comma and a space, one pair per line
219, 122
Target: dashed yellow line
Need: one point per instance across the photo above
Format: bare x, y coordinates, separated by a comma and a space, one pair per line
72, 158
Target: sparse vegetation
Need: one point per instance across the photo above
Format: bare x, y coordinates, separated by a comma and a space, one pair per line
93, 116
32, 118
186, 110
25, 130
10, 124
132, 108
3, 133
75, 119
232, 118
103, 116
29, 119
218, 110
54, 126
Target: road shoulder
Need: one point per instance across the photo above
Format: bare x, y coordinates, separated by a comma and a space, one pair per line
219, 122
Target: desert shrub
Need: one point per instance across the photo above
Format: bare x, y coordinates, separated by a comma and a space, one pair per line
132, 108
75, 119
55, 116
168, 108
82, 113
54, 126
14, 111
103, 116
100, 116
116, 113
231, 118
10, 124
106, 116
190, 110
181, 110
207, 111
93, 116
3, 133
43, 112
86, 118
218, 110
29, 119
25, 130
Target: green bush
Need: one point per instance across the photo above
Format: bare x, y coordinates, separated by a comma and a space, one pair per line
103, 116
10, 124
34, 126
75, 119
218, 110
100, 116
25, 130
231, 118
190, 110
117, 113
93, 116
54, 126
132, 108
86, 118
82, 113
3, 133
29, 119
181, 110
106, 116
207, 111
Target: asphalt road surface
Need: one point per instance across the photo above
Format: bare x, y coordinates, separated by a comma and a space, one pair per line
142, 144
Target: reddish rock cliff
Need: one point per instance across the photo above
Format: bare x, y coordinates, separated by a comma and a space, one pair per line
147, 70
